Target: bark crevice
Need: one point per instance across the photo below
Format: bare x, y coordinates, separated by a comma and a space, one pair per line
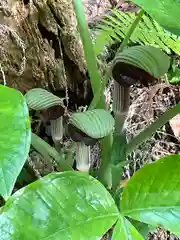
40, 46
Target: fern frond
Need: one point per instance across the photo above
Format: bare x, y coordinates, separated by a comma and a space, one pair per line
148, 32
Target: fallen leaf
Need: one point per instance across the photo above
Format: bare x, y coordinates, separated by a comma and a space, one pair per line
175, 125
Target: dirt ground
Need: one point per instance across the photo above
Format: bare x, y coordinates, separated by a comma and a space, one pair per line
97, 8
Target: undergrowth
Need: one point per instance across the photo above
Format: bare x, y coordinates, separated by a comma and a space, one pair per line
115, 26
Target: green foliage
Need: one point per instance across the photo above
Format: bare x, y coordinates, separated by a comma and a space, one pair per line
14, 139
94, 73
174, 75
49, 153
125, 230
166, 12
73, 205
152, 194
148, 32
143, 228
68, 205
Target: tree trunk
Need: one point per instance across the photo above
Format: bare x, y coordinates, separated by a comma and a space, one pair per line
40, 47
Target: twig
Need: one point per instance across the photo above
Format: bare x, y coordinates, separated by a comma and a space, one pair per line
113, 3
3, 75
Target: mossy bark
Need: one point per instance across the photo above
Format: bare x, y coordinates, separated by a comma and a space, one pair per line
40, 46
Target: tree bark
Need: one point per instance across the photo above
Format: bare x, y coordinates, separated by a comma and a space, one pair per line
40, 46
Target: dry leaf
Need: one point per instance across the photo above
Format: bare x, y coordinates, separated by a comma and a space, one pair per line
175, 125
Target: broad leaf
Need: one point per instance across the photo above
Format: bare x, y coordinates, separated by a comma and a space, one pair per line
143, 228
15, 137
125, 230
152, 194
96, 123
165, 12
69, 205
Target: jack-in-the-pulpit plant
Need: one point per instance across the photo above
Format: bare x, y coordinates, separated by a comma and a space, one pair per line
71, 204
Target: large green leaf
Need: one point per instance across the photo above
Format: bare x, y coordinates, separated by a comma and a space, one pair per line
124, 230
96, 123
165, 12
143, 228
152, 194
15, 137
69, 205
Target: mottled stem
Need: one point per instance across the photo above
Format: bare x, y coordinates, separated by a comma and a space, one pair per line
82, 157
57, 129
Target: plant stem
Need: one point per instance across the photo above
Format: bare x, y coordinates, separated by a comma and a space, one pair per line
95, 78
57, 130
130, 31
105, 168
96, 102
123, 45
94, 73
121, 97
82, 157
104, 174
49, 153
148, 132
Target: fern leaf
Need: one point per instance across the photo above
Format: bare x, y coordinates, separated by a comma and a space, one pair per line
148, 32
